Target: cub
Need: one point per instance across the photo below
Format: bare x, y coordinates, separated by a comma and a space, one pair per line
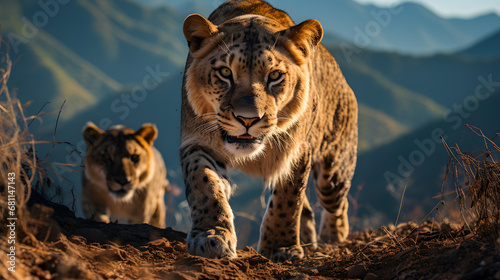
124, 176
262, 95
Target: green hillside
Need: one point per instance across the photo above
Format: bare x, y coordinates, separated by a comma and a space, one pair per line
374, 89
121, 37
487, 48
387, 109
430, 86
376, 128
45, 70
445, 78
81, 83
84, 63
418, 162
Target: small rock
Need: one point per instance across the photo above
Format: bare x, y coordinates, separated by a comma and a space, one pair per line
370, 276
313, 271
357, 271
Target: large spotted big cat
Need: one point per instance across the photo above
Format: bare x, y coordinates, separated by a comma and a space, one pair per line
262, 95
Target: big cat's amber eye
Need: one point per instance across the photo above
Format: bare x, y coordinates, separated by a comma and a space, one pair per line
225, 72
275, 75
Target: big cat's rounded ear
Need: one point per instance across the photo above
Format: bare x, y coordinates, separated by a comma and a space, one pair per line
92, 133
149, 132
304, 36
196, 29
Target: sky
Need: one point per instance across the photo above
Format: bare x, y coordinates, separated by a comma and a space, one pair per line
449, 8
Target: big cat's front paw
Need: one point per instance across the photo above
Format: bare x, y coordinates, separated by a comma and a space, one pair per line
212, 243
282, 254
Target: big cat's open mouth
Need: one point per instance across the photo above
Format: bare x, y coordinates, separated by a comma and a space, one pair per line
244, 138
119, 193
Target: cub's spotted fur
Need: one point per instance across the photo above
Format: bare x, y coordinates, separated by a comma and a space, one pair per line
262, 95
124, 176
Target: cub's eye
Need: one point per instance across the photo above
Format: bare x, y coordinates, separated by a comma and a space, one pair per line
134, 158
275, 75
225, 72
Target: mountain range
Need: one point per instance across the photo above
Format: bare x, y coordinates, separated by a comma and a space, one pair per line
83, 63
414, 166
405, 27
487, 48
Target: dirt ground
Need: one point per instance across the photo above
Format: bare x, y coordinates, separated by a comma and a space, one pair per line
74, 248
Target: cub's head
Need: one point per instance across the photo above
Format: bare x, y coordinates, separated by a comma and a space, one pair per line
120, 157
249, 78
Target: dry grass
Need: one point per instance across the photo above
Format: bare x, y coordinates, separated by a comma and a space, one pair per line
475, 176
18, 158
17, 150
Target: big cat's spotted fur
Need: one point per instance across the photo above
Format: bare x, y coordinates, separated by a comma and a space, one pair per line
262, 95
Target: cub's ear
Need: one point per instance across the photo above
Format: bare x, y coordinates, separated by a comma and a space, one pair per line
149, 132
305, 36
92, 134
196, 29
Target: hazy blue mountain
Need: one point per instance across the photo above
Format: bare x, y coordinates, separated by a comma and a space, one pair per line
377, 128
487, 48
445, 78
408, 27
45, 70
469, 26
61, 59
418, 162
375, 90
412, 90
121, 37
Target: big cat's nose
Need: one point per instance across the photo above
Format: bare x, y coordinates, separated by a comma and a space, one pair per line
247, 122
122, 181
245, 109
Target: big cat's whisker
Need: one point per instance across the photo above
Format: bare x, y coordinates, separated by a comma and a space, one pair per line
202, 118
209, 127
